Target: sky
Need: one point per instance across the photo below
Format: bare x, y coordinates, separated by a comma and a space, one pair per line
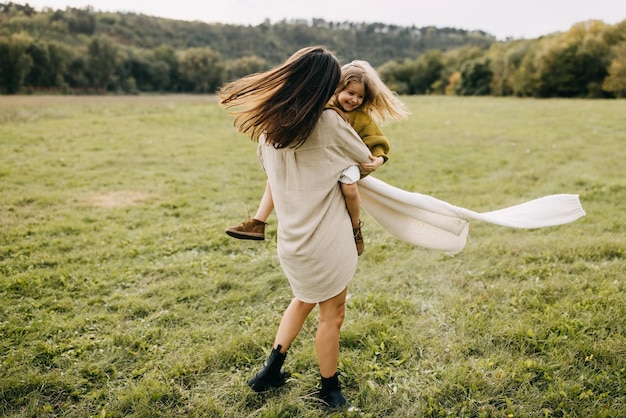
501, 18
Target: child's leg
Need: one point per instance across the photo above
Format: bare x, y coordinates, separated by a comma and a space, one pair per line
353, 202
266, 206
254, 228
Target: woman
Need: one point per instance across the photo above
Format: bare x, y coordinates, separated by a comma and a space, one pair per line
304, 148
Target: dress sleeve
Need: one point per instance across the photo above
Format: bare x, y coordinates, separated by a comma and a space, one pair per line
350, 142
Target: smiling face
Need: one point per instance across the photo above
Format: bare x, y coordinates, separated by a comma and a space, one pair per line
352, 96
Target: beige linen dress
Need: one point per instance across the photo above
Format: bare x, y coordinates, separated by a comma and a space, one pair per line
315, 243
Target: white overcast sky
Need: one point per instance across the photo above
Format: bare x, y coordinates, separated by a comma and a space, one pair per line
502, 18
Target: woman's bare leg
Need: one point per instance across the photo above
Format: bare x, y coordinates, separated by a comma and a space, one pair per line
332, 312
291, 323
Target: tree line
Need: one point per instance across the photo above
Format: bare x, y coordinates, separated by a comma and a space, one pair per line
589, 60
79, 50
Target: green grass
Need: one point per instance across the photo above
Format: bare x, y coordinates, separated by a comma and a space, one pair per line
122, 296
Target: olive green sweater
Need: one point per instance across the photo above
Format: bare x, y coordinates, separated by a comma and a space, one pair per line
368, 131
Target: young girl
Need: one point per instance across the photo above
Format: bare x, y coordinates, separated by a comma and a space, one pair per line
363, 97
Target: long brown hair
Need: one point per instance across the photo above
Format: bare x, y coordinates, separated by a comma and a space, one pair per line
285, 102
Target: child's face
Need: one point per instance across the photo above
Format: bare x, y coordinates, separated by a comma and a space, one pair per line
351, 97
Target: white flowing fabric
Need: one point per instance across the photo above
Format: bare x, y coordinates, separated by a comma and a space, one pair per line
432, 223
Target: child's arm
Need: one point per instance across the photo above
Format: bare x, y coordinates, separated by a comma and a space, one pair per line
372, 136
374, 163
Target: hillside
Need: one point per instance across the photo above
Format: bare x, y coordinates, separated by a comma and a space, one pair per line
81, 51
374, 42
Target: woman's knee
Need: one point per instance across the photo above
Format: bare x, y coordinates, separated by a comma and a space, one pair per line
332, 312
334, 322
303, 308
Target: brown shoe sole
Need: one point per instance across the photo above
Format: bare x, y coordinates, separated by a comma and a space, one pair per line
245, 235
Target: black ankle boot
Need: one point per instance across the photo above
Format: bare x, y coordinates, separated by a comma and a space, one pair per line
331, 393
271, 375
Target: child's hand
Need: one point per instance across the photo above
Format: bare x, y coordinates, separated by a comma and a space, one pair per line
374, 163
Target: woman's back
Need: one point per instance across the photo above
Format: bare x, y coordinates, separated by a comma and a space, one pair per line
313, 224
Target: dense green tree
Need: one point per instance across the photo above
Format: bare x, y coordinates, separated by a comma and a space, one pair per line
60, 56
575, 64
427, 71
615, 82
512, 62
476, 77
571, 72
244, 66
160, 73
202, 70
396, 76
11, 7
525, 79
77, 75
505, 62
166, 58
452, 61
139, 67
15, 62
80, 21
40, 74
102, 61
423, 75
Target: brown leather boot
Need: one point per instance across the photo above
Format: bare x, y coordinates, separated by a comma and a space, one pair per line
248, 229
358, 239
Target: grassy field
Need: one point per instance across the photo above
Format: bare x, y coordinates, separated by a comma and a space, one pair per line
121, 296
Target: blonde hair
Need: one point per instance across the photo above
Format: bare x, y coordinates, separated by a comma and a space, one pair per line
285, 102
382, 104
